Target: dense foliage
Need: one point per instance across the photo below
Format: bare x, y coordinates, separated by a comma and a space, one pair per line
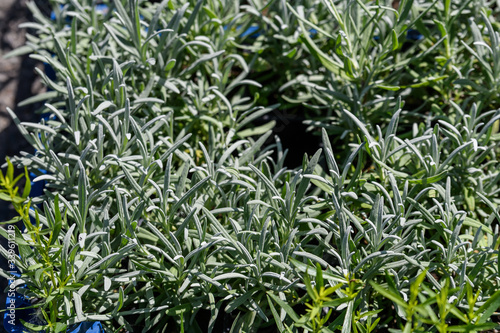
169, 206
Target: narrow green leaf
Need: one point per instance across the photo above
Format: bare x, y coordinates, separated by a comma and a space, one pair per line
389, 294
489, 307
284, 305
395, 43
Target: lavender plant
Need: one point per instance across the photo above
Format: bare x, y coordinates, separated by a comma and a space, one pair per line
167, 207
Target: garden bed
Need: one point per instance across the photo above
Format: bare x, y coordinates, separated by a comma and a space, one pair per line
261, 167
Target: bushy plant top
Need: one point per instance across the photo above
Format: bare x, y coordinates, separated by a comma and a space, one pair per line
168, 206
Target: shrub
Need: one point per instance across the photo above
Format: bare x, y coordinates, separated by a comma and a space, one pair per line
167, 205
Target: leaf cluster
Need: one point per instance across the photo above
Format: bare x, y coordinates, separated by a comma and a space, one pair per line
168, 207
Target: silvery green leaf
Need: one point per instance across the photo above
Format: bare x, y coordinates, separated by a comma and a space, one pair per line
78, 307
107, 283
